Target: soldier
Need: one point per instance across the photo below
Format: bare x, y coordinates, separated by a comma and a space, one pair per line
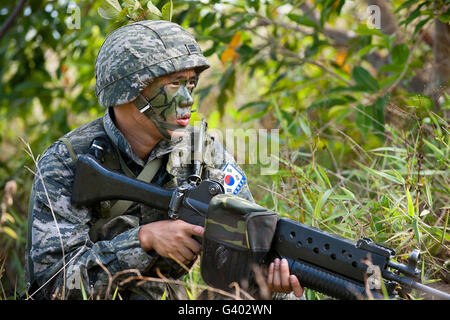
145, 75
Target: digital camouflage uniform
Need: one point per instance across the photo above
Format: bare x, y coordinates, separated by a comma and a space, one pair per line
117, 247
62, 249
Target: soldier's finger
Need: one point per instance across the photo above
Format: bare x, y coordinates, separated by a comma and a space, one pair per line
284, 274
195, 230
296, 287
187, 254
276, 275
177, 257
193, 245
270, 275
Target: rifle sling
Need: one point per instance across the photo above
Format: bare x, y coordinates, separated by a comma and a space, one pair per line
121, 206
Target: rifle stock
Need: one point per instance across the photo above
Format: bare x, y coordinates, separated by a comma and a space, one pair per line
323, 262
93, 183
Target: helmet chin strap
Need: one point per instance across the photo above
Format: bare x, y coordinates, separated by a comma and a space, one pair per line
163, 127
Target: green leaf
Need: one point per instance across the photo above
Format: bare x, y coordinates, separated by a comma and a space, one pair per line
364, 30
110, 9
382, 174
321, 200
324, 175
405, 5
208, 20
102, 13
362, 119
259, 105
388, 40
83, 291
303, 20
341, 197
318, 206
444, 17
305, 127
436, 150
307, 203
413, 15
356, 88
115, 293
153, 9
400, 54
350, 194
283, 121
366, 50
416, 230
222, 100
396, 68
390, 149
313, 49
428, 193
10, 232
378, 112
388, 80
327, 9
328, 103
132, 4
166, 11
420, 25
410, 203
365, 79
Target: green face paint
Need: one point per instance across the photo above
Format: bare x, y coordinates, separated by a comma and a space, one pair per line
169, 106
171, 103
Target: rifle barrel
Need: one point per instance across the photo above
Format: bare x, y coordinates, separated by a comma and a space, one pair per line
410, 283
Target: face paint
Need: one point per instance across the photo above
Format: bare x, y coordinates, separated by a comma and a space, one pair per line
170, 105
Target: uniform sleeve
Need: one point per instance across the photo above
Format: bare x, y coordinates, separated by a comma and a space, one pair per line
63, 256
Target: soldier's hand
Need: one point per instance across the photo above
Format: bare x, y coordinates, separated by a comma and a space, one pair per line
171, 239
280, 280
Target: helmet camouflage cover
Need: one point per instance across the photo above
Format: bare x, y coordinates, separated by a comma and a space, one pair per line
135, 54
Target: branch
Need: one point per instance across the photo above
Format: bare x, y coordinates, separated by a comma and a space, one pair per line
340, 38
289, 53
9, 22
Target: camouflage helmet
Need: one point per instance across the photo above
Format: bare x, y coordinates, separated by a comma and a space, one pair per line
135, 54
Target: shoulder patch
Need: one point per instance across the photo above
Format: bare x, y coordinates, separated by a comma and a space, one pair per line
233, 180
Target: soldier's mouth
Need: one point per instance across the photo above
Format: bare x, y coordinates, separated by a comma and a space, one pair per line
184, 120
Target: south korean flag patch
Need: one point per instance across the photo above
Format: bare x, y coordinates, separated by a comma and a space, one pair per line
234, 179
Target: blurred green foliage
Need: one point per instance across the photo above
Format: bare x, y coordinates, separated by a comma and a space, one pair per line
359, 99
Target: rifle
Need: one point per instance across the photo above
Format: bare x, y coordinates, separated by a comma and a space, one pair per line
323, 262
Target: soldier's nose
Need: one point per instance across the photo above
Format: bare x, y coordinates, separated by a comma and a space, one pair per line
186, 100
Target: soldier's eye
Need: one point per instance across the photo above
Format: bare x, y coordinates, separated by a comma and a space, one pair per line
175, 83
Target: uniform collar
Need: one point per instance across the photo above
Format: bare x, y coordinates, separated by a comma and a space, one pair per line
118, 139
